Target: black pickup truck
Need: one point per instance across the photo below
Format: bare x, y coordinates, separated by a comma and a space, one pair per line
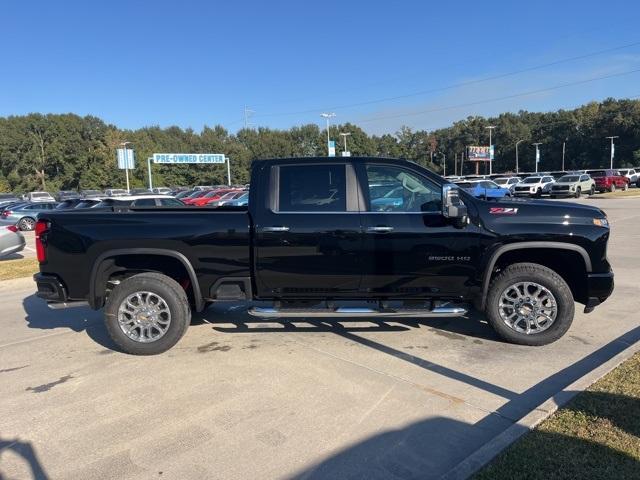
330, 237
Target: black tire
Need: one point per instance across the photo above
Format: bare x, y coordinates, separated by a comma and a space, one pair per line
578, 192
538, 194
173, 295
531, 272
638, 183
27, 224
592, 190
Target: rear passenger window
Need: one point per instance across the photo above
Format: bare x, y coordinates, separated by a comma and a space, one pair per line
312, 188
145, 202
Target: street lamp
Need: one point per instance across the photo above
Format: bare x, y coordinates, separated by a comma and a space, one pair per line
612, 149
344, 135
490, 128
517, 143
537, 154
126, 162
327, 116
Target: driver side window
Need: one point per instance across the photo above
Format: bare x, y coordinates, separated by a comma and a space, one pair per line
395, 189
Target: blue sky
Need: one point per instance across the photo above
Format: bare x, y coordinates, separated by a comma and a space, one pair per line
193, 63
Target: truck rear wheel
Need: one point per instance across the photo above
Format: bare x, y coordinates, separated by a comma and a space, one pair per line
530, 304
147, 314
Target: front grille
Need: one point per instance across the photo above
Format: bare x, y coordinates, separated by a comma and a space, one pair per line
522, 189
560, 187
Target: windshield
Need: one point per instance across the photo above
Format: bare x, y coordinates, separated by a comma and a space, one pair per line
7, 195
501, 181
598, 173
531, 180
569, 178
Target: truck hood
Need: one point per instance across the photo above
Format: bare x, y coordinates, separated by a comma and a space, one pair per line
539, 211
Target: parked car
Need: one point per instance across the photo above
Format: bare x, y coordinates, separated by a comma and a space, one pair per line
486, 189
534, 186
508, 182
162, 191
632, 174
6, 198
184, 194
6, 206
189, 199
227, 197
67, 195
310, 238
24, 215
140, 191
573, 186
138, 201
11, 240
637, 169
92, 194
69, 204
115, 192
241, 201
609, 180
39, 197
211, 196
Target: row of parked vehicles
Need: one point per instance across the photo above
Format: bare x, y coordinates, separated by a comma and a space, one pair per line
23, 213
554, 184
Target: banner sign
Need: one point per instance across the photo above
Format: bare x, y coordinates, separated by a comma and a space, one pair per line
126, 159
332, 148
203, 158
480, 154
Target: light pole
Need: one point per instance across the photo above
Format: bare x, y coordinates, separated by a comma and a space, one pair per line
327, 116
126, 162
344, 135
612, 149
490, 128
563, 149
149, 170
537, 154
228, 170
517, 143
444, 164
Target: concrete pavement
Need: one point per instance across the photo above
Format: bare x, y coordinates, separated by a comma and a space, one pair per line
240, 398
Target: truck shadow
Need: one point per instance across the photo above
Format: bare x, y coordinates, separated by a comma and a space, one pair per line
26, 454
41, 317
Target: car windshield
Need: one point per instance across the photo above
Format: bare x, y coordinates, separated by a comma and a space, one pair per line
624, 172
531, 180
598, 173
501, 181
569, 178
40, 195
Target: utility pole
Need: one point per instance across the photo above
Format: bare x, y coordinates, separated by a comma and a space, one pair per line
455, 164
537, 154
444, 164
149, 171
517, 143
490, 128
344, 135
327, 116
613, 149
247, 115
228, 170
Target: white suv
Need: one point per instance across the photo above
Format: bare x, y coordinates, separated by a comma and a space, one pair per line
534, 186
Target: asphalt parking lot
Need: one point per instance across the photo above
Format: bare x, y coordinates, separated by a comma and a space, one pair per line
241, 398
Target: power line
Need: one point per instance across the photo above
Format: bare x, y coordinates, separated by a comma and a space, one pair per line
456, 85
495, 99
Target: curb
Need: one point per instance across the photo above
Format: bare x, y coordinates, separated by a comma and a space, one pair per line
497, 444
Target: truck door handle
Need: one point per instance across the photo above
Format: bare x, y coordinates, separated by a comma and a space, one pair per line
380, 229
275, 229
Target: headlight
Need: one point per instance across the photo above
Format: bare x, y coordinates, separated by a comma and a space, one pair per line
601, 222
573, 187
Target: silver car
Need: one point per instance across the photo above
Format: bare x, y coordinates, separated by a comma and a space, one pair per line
11, 240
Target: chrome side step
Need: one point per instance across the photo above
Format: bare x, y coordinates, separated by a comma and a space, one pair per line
271, 312
63, 305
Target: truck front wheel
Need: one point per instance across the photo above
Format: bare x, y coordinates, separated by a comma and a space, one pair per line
529, 304
147, 314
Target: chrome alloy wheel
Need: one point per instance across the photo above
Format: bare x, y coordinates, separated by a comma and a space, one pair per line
144, 317
528, 307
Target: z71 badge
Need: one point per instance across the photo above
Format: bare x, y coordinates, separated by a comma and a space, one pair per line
503, 211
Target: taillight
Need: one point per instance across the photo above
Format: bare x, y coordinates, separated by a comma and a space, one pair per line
42, 227
6, 213
13, 228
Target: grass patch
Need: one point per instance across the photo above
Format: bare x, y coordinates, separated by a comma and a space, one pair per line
22, 267
596, 436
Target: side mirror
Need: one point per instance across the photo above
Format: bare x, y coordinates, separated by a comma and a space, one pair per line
452, 206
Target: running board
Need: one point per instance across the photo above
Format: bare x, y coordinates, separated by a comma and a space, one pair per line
271, 312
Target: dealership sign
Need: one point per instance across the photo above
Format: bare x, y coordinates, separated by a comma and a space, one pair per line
126, 159
202, 158
480, 153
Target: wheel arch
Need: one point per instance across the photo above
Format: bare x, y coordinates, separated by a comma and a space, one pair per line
104, 265
520, 246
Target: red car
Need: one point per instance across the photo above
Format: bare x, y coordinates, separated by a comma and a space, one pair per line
211, 196
608, 180
194, 196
